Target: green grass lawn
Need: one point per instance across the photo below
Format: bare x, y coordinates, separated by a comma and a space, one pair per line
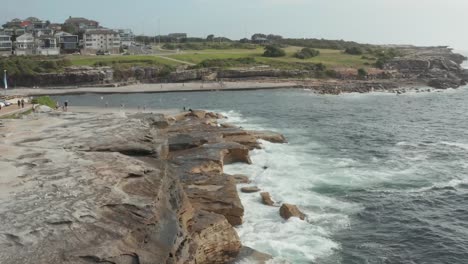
132, 59
330, 58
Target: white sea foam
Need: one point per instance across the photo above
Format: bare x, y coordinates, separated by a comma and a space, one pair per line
290, 177
456, 144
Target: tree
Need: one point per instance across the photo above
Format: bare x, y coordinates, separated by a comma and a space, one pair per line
273, 51
70, 28
258, 35
244, 40
210, 38
272, 37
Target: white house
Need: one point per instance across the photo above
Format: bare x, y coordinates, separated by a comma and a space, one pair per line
101, 40
6, 45
25, 44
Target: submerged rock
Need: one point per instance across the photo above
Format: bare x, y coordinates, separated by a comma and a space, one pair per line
241, 179
266, 199
250, 189
289, 210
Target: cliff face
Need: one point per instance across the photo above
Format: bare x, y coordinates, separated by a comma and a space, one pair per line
107, 188
439, 67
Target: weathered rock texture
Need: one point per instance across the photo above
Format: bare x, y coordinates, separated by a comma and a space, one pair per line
438, 67
289, 210
108, 188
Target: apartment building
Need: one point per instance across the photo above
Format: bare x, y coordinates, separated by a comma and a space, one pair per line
101, 40
6, 45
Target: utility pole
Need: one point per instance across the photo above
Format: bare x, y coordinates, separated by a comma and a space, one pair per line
5, 80
159, 30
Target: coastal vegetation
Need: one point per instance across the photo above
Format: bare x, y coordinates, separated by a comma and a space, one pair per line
307, 53
226, 63
44, 100
30, 65
274, 51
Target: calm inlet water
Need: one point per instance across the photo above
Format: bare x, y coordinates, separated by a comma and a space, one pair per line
382, 178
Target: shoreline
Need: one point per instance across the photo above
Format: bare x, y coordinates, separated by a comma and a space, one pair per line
129, 153
319, 86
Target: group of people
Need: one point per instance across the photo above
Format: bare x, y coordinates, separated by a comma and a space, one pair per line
20, 103
64, 106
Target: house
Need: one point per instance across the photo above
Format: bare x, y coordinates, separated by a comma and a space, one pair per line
6, 45
47, 45
82, 23
25, 44
101, 40
127, 38
67, 42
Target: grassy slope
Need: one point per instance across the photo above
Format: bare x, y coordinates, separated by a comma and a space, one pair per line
132, 59
331, 58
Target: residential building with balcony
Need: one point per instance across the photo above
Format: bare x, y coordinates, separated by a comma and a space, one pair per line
25, 45
101, 40
67, 42
6, 45
47, 45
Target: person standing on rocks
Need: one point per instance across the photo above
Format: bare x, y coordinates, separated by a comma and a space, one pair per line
65, 106
19, 103
22, 103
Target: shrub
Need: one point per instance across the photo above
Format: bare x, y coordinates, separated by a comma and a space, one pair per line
354, 51
307, 53
362, 72
273, 51
331, 73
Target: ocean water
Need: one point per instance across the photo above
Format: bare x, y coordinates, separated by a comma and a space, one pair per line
382, 178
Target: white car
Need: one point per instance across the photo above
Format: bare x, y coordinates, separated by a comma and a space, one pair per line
2, 104
5, 103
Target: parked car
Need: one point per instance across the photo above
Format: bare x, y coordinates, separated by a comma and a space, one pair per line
5, 103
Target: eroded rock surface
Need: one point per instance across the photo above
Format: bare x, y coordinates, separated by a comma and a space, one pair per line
289, 210
111, 188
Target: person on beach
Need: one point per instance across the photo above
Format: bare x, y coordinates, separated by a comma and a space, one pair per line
65, 106
22, 103
19, 103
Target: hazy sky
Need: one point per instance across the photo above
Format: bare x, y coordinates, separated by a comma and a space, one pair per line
421, 22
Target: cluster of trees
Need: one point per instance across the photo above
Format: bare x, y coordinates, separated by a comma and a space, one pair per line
273, 51
307, 53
